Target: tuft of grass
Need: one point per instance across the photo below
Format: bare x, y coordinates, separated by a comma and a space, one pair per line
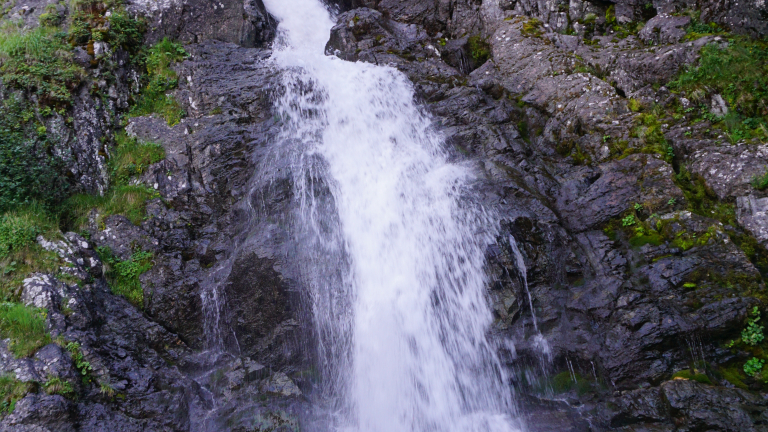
123, 276
11, 391
127, 200
738, 72
161, 78
39, 61
25, 326
58, 386
132, 157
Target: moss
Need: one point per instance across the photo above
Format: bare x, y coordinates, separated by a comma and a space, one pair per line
734, 374
693, 376
634, 105
564, 382
532, 28
479, 49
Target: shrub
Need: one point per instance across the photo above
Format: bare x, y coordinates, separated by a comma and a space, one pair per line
161, 79
39, 61
11, 391
753, 366
26, 328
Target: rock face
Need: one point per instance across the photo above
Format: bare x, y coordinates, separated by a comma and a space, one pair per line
636, 298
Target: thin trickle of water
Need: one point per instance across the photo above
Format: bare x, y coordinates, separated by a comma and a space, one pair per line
393, 248
520, 262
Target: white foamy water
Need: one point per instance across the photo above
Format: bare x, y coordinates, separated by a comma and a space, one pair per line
394, 249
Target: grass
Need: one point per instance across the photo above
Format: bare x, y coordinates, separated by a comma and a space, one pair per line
760, 182
26, 328
132, 157
11, 391
39, 61
127, 200
58, 386
20, 254
123, 276
738, 72
160, 80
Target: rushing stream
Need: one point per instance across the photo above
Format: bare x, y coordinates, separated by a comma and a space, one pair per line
394, 252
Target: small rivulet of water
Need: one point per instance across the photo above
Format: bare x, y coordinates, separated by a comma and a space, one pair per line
393, 247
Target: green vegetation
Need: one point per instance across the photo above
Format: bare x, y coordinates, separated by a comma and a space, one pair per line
161, 79
628, 220
479, 49
698, 29
25, 326
89, 24
129, 201
83, 366
28, 171
760, 182
56, 385
694, 376
39, 61
738, 72
564, 382
532, 28
753, 333
132, 157
753, 366
123, 276
648, 129
11, 391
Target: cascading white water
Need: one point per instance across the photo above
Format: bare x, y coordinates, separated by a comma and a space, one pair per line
396, 272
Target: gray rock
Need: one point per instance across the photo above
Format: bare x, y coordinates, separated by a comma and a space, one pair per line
752, 214
664, 29
728, 170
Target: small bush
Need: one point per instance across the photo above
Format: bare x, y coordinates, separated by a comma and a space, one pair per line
11, 391
123, 276
39, 61
26, 328
161, 79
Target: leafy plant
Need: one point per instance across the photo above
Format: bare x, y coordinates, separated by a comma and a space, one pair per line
753, 366
161, 79
25, 326
638, 206
753, 334
123, 276
83, 366
628, 220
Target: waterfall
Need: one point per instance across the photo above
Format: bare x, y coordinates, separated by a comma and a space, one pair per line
391, 243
